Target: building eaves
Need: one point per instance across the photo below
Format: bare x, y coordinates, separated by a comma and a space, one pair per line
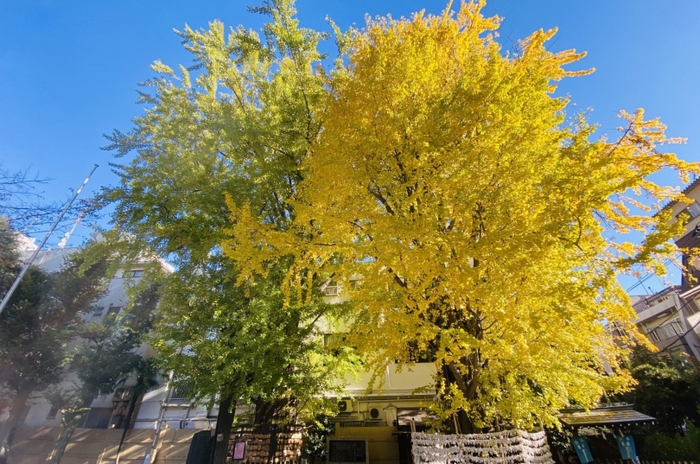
606, 416
685, 190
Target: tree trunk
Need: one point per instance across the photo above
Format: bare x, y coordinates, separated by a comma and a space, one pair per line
18, 414
224, 423
71, 421
466, 426
465, 373
60, 446
267, 411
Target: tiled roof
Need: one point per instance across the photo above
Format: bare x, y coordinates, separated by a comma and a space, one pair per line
687, 189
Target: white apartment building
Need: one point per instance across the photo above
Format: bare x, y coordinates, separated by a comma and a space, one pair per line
108, 411
671, 318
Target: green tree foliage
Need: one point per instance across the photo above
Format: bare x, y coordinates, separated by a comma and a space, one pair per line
236, 125
315, 438
677, 448
668, 389
105, 356
39, 320
9, 265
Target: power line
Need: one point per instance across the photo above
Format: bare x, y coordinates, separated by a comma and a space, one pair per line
641, 281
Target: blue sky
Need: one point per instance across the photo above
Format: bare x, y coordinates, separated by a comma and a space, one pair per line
69, 69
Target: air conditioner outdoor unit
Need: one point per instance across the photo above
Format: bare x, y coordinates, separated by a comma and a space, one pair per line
187, 424
345, 406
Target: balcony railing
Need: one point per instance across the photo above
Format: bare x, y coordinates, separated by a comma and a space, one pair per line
664, 332
331, 290
180, 394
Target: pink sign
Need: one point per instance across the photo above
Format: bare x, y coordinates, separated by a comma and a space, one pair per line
239, 451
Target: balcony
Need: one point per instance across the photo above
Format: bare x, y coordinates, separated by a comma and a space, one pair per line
666, 331
655, 307
330, 288
180, 395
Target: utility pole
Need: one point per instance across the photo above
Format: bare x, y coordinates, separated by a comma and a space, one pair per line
12, 289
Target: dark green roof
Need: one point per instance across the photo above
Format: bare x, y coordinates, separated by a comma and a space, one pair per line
612, 415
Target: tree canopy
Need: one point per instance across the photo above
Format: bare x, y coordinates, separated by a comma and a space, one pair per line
40, 319
667, 388
236, 125
41, 316
488, 226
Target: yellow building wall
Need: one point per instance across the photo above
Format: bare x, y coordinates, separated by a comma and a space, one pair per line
382, 444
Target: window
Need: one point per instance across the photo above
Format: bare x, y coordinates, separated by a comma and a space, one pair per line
693, 308
617, 330
52, 413
98, 311
98, 418
331, 289
336, 343
666, 331
114, 310
122, 394
692, 210
136, 274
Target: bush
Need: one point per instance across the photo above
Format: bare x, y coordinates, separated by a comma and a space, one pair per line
661, 446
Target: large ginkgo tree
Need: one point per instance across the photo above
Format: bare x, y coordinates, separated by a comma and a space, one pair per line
485, 224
